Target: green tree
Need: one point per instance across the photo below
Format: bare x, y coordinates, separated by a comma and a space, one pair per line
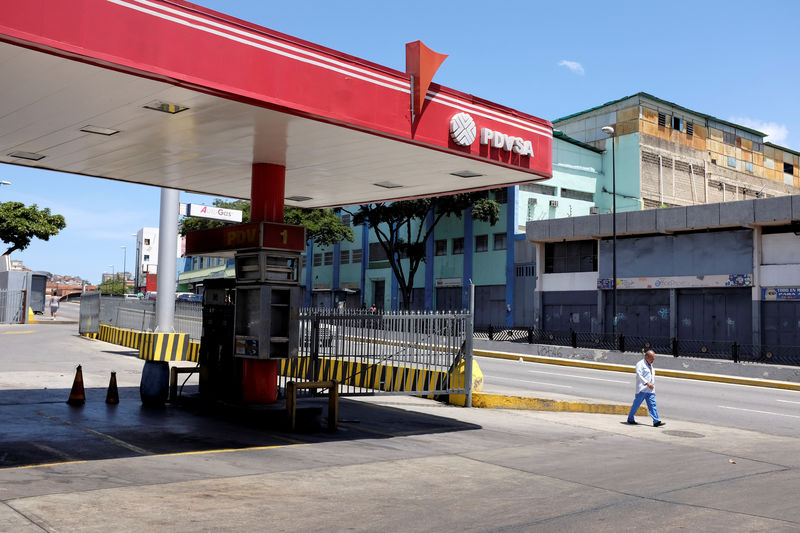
322, 225
20, 223
113, 285
402, 232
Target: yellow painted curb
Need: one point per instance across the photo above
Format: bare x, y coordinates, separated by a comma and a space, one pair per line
499, 401
753, 382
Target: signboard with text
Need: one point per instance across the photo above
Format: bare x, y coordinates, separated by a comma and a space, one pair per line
271, 235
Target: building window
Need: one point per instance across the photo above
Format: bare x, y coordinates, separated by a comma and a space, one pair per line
303, 261
758, 147
731, 161
574, 256
538, 188
662, 119
577, 195
344, 257
147, 242
356, 256
377, 252
317, 260
499, 241
440, 247
346, 220
689, 128
677, 123
501, 196
458, 245
328, 258
748, 166
728, 137
788, 168
146, 258
481, 243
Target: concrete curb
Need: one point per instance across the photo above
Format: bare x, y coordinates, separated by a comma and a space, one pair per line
754, 382
500, 401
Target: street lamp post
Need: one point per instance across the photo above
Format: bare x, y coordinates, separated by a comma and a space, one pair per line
609, 130
124, 268
136, 261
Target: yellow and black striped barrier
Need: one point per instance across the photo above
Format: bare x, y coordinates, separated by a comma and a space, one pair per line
165, 347
382, 377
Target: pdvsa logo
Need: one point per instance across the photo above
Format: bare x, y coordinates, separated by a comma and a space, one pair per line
463, 132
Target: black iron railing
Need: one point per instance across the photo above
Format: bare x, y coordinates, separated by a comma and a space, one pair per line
723, 350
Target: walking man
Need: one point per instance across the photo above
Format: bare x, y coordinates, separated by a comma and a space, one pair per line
645, 389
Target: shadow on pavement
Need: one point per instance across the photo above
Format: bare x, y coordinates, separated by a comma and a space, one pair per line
40, 428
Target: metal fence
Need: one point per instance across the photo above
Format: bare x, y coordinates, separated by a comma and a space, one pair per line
12, 308
726, 350
400, 353
138, 315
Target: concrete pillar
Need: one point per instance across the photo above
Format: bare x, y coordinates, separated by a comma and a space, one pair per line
538, 310
673, 313
756, 290
167, 259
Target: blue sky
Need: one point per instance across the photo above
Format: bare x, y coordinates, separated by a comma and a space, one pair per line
734, 60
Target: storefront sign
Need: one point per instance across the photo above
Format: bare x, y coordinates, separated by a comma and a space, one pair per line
780, 293
448, 282
678, 282
213, 212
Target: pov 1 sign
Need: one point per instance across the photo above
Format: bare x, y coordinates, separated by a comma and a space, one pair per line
216, 213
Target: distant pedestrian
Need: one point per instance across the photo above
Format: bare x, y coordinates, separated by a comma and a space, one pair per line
372, 308
53, 305
645, 389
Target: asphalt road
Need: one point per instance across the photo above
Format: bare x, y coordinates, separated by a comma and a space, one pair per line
770, 411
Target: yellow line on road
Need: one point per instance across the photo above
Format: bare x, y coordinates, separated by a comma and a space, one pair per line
19, 332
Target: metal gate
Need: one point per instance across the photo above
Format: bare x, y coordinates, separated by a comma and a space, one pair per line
390, 353
12, 308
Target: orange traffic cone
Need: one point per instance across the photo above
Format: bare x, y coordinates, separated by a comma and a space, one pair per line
113, 394
77, 395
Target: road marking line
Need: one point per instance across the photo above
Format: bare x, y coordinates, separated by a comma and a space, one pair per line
578, 377
755, 411
109, 438
536, 382
19, 332
786, 401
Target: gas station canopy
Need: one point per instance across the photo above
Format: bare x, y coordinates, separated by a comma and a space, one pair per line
173, 95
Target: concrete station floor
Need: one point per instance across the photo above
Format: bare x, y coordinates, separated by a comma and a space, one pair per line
396, 463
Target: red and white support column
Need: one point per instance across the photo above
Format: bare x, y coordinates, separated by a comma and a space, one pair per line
267, 185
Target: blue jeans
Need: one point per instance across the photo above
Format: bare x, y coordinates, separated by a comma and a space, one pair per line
650, 398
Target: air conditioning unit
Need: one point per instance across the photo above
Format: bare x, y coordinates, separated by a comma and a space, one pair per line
594, 210
553, 203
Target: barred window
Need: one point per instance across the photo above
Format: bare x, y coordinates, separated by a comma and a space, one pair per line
356, 256
538, 188
481, 243
440, 247
458, 245
328, 259
500, 241
577, 195
317, 260
501, 195
346, 220
344, 257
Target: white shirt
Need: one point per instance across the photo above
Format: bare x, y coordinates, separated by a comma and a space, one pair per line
644, 375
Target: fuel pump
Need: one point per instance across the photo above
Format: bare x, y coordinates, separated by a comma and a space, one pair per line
267, 301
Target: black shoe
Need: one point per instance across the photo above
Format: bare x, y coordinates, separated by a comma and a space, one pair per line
659, 423
632, 422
